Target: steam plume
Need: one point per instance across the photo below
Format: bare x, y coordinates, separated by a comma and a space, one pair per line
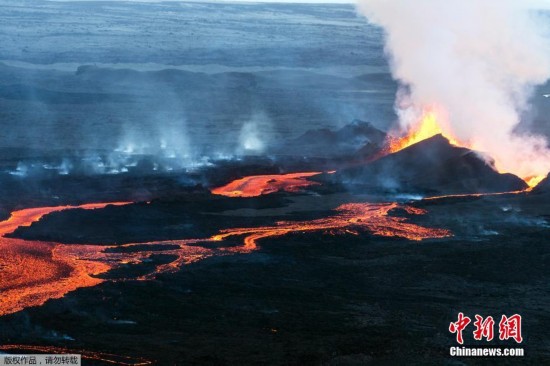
475, 62
254, 133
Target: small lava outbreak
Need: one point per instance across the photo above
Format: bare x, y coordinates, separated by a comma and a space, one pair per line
258, 185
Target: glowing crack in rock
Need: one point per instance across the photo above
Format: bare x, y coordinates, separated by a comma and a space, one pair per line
350, 217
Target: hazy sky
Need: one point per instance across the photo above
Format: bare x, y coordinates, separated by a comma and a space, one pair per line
213, 1
534, 3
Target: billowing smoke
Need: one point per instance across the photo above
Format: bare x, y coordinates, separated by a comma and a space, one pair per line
477, 63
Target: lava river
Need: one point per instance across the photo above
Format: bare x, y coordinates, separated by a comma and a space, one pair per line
32, 272
349, 218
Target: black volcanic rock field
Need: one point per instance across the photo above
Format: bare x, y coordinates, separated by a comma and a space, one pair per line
197, 183
310, 299
303, 298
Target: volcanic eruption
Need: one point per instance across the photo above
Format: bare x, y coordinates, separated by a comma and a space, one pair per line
472, 65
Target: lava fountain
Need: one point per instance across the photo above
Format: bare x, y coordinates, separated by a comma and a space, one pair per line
430, 124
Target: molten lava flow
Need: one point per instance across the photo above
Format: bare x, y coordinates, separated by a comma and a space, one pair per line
427, 127
31, 272
470, 195
258, 185
372, 217
27, 216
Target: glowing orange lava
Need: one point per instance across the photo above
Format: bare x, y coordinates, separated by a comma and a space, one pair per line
428, 126
371, 217
469, 195
258, 185
533, 181
32, 272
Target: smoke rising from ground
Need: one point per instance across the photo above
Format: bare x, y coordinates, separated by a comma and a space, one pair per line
477, 63
255, 133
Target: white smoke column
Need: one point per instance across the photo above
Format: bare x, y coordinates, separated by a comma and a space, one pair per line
250, 138
254, 134
476, 59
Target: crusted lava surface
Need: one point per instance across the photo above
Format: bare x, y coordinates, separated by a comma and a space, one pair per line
314, 297
304, 271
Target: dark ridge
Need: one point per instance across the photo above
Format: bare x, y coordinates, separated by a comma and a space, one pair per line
356, 136
432, 165
543, 186
22, 92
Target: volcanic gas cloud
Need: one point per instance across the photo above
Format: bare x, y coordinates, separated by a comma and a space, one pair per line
471, 66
